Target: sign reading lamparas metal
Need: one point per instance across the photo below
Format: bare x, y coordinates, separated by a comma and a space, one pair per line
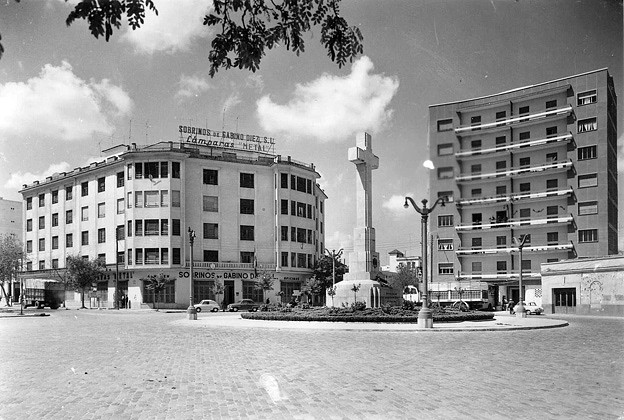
227, 139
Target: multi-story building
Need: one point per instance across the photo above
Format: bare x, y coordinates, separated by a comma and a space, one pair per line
253, 213
11, 218
538, 162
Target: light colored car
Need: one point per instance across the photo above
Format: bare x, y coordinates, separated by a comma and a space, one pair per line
532, 308
207, 305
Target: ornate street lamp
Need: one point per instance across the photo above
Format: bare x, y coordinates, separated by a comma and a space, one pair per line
520, 313
192, 312
425, 317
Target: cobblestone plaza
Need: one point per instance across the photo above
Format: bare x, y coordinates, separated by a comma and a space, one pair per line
92, 364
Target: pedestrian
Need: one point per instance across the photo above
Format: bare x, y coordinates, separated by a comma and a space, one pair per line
511, 306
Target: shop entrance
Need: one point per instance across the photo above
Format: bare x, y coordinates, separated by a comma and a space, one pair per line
228, 296
564, 300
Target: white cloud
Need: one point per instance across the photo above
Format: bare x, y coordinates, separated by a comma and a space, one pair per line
59, 105
18, 179
394, 205
231, 102
192, 86
333, 107
177, 25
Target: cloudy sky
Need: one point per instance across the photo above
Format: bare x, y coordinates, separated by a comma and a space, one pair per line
65, 96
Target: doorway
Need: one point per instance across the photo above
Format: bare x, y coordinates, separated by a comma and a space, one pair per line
228, 296
564, 300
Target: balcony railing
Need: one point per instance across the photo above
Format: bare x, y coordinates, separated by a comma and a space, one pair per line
517, 119
536, 248
517, 171
513, 146
513, 197
230, 265
516, 223
502, 276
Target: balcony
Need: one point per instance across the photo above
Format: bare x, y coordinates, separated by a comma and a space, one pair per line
513, 197
551, 166
508, 147
516, 223
230, 265
508, 250
512, 120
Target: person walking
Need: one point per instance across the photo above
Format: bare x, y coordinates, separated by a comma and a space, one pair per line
511, 307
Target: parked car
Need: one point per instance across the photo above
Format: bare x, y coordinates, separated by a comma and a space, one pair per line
243, 305
532, 308
207, 305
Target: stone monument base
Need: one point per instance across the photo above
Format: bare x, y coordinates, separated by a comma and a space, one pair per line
371, 292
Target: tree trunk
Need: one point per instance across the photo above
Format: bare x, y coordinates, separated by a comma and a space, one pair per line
155, 300
82, 293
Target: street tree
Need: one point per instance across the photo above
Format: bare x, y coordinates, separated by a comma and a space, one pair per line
313, 286
265, 283
82, 272
157, 283
219, 289
323, 270
355, 288
11, 255
244, 29
405, 276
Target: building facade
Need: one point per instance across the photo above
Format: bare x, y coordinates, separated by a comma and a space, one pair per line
253, 214
11, 218
538, 162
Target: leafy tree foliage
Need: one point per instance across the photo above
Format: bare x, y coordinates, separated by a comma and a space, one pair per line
404, 276
323, 270
265, 283
157, 283
219, 289
245, 28
82, 272
11, 253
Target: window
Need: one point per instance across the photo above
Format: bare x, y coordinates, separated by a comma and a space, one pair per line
301, 184
284, 235
445, 173
138, 228
284, 259
284, 206
54, 219
246, 206
293, 234
55, 263
41, 264
525, 135
29, 225
164, 170
152, 256
151, 170
475, 145
445, 149
164, 198
447, 194
525, 187
176, 255
84, 214
501, 189
41, 222
175, 198
164, 227
445, 244
301, 209
152, 227
84, 189
445, 125
477, 243
552, 184
84, 238
475, 192
69, 240
246, 180
211, 177
101, 210
29, 203
211, 203
586, 98
69, 193
101, 236
588, 207
29, 246
445, 268
525, 214
551, 104
587, 180
525, 162
247, 257
41, 244
69, 217
121, 257
475, 122
121, 205
477, 267
138, 256
152, 198
475, 169
175, 169
586, 125
523, 111
587, 152
211, 255
54, 196
477, 218
301, 260
445, 220
120, 179
551, 157
175, 227
527, 241
29, 266
552, 212
500, 116
551, 132
501, 166
246, 233
284, 180
293, 182
552, 238
301, 235
526, 266
501, 140
120, 232
41, 200
138, 199
501, 242
501, 267
101, 184
211, 231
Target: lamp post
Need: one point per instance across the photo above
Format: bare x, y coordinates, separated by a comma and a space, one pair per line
520, 313
425, 317
334, 254
192, 312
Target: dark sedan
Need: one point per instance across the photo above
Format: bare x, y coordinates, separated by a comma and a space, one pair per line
243, 305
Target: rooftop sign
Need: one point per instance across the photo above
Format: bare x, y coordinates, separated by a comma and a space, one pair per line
226, 139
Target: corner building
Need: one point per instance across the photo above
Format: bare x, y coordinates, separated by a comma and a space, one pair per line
538, 161
252, 213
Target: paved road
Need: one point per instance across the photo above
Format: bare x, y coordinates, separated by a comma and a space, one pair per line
135, 365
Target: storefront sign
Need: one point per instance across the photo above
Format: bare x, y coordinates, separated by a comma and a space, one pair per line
226, 139
212, 275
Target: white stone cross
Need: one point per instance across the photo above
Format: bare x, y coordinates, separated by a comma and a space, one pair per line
365, 161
